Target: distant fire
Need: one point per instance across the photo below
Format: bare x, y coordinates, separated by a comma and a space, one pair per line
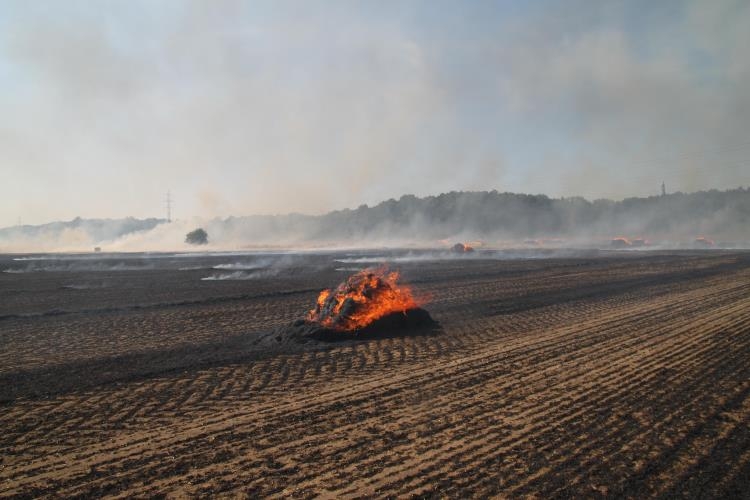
620, 242
462, 248
705, 242
624, 242
363, 298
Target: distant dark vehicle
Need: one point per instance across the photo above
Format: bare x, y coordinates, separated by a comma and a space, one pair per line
639, 242
197, 237
461, 248
97, 249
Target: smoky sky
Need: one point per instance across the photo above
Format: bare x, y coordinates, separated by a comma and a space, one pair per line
276, 107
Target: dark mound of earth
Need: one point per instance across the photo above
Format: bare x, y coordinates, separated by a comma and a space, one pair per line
413, 321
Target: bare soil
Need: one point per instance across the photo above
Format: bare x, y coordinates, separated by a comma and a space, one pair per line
617, 374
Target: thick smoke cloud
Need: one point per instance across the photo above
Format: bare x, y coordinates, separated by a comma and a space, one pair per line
262, 108
495, 219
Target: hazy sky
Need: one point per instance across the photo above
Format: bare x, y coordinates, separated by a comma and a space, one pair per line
275, 107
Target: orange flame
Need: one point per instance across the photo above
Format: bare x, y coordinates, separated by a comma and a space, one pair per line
621, 241
462, 248
702, 240
361, 299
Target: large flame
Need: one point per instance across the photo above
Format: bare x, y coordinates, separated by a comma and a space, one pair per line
361, 299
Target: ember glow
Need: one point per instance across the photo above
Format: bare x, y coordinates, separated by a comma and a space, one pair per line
361, 299
705, 242
620, 242
462, 248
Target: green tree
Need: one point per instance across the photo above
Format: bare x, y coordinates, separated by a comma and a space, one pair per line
197, 237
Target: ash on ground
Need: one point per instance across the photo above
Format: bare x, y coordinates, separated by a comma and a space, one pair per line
415, 321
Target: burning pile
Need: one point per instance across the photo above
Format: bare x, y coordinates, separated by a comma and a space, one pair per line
620, 242
623, 242
702, 241
461, 248
369, 302
364, 297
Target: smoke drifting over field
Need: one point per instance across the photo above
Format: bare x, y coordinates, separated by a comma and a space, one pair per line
489, 219
78, 266
251, 268
274, 107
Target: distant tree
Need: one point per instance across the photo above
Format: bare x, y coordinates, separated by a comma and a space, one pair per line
197, 237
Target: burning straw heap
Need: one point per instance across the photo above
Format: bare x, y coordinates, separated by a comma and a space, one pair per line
371, 302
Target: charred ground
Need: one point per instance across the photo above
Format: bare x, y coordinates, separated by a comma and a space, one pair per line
609, 374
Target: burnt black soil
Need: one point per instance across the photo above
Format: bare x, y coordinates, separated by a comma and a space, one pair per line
412, 322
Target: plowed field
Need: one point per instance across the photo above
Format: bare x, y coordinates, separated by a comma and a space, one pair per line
612, 374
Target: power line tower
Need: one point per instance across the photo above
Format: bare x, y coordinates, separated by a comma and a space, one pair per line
169, 207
